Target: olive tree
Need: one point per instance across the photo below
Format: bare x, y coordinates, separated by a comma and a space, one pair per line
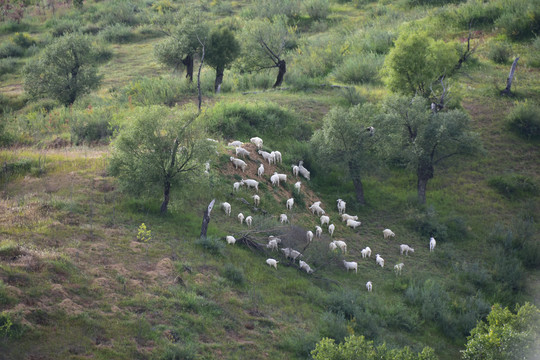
423, 138
158, 150
222, 50
265, 43
183, 42
345, 138
65, 70
417, 63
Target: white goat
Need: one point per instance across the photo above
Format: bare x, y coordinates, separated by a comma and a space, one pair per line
366, 252
257, 141
230, 240
256, 199
403, 248
283, 218
398, 268
290, 203
353, 223
277, 156
237, 162
315, 208
345, 217
242, 151
379, 260
309, 235
341, 245
272, 262
272, 244
274, 179
251, 184
387, 233
272, 237
295, 170
325, 220
351, 265
432, 244
227, 208
341, 206
297, 186
266, 156
260, 170
332, 246
302, 170
371, 130
318, 231
235, 143
241, 218
249, 221
331, 229
290, 253
282, 177
306, 267
369, 286
236, 186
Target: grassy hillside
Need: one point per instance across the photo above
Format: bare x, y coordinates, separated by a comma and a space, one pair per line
76, 282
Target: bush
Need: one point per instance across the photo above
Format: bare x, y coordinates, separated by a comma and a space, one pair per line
234, 274
520, 20
118, 12
427, 223
478, 13
10, 49
333, 326
8, 66
433, 2
524, 119
213, 245
360, 69
316, 9
90, 126
9, 328
118, 33
378, 41
514, 186
63, 27
499, 52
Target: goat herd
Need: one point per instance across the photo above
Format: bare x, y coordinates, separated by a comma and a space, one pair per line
275, 157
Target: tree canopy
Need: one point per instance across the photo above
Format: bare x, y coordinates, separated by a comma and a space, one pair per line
424, 138
222, 50
158, 150
506, 335
417, 62
64, 71
345, 138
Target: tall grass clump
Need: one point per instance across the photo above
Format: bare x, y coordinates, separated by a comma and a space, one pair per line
8, 66
378, 41
316, 9
91, 126
524, 119
499, 52
166, 90
360, 69
10, 50
213, 245
234, 274
520, 19
476, 13
118, 34
514, 186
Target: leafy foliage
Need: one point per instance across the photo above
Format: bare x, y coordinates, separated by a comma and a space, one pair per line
417, 62
524, 119
506, 335
65, 70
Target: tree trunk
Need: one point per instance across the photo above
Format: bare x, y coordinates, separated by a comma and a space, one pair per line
506, 91
219, 79
359, 189
199, 77
424, 173
206, 219
188, 63
282, 70
166, 196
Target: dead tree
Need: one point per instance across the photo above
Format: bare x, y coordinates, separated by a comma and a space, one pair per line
206, 219
507, 91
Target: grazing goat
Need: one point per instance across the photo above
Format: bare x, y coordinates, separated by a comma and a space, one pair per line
403, 248
272, 262
351, 265
432, 244
387, 233
369, 286
398, 268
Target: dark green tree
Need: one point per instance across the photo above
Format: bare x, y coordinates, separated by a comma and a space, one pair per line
423, 138
222, 49
346, 138
64, 71
160, 149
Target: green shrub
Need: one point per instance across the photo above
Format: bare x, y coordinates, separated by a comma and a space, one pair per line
427, 223
334, 326
118, 12
91, 29
378, 41
213, 245
499, 52
300, 343
24, 40
520, 19
360, 69
234, 274
8, 66
316, 9
10, 49
432, 2
477, 13
117, 33
514, 186
91, 126
10, 328
524, 119
64, 26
